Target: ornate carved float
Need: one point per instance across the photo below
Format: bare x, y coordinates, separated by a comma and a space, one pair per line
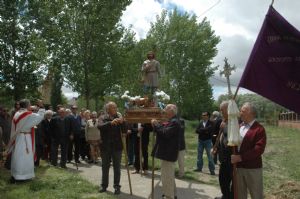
144, 115
143, 109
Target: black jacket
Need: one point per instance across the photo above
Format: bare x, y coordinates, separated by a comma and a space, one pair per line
181, 135
216, 128
167, 140
6, 128
110, 134
204, 132
223, 149
60, 128
75, 124
45, 126
38, 135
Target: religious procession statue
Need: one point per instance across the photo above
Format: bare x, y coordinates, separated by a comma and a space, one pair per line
150, 74
141, 110
152, 101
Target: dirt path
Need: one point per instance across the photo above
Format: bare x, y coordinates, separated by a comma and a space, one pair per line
141, 185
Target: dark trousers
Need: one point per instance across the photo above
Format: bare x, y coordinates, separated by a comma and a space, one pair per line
215, 158
225, 180
47, 151
7, 163
145, 143
84, 149
76, 143
63, 151
39, 154
108, 156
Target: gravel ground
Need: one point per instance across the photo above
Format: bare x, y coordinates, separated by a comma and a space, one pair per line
141, 184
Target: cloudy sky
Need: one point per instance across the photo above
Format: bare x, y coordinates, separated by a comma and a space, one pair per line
237, 22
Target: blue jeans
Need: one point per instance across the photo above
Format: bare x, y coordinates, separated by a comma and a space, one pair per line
207, 145
130, 147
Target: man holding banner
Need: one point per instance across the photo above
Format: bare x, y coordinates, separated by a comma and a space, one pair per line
273, 71
248, 159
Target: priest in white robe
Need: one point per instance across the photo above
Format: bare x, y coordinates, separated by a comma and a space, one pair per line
21, 145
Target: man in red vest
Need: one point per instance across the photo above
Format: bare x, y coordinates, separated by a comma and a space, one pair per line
249, 160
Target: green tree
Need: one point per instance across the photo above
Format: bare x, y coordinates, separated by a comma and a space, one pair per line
267, 111
130, 59
22, 50
53, 22
96, 33
185, 49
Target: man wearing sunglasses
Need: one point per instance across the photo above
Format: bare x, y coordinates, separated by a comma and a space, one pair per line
204, 131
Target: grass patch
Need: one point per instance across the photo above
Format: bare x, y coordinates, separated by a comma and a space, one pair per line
191, 140
50, 183
281, 171
281, 162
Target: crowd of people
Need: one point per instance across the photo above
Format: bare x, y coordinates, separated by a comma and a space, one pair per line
90, 136
75, 134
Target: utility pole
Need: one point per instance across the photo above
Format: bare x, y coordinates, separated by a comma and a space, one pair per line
227, 70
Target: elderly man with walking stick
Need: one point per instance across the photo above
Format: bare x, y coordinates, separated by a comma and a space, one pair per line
166, 149
110, 126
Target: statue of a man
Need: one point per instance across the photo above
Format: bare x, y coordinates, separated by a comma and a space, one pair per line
151, 73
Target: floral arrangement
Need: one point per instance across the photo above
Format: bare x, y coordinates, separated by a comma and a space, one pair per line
125, 96
136, 101
162, 96
157, 100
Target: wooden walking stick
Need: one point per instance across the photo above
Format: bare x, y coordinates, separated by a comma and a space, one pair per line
140, 149
126, 159
76, 163
152, 183
234, 176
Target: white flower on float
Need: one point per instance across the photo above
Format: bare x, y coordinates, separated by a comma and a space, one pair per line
162, 95
125, 95
135, 98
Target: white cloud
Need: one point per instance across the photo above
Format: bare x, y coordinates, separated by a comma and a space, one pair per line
225, 29
219, 90
139, 14
66, 91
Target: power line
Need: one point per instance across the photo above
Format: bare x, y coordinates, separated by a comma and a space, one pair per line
210, 8
222, 81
